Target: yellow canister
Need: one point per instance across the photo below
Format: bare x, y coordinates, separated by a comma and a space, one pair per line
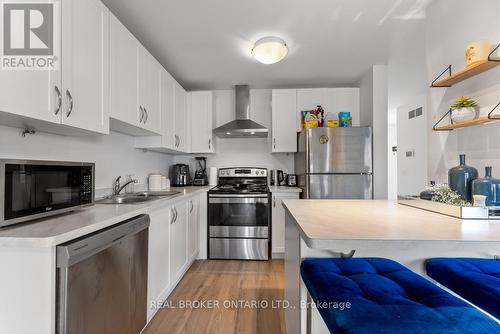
333, 123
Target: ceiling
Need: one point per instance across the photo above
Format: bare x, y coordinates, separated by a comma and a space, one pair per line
205, 44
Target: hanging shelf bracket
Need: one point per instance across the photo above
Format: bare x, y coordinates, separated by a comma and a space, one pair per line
490, 116
490, 58
448, 69
435, 128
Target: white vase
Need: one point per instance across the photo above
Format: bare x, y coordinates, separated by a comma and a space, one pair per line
464, 114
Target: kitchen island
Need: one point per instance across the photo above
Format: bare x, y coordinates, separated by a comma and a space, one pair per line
333, 228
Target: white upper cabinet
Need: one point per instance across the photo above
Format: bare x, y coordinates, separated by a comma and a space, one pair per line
29, 95
201, 121
169, 138
123, 67
85, 65
284, 129
149, 90
135, 85
180, 118
77, 93
173, 119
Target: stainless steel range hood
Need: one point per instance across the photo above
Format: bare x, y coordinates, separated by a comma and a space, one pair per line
242, 126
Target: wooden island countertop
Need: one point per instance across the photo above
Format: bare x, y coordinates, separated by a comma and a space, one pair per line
379, 220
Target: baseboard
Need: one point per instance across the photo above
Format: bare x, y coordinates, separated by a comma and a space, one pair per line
280, 255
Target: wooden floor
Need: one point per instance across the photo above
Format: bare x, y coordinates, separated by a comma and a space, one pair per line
234, 285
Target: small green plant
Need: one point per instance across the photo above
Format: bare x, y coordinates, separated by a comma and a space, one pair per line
443, 194
464, 102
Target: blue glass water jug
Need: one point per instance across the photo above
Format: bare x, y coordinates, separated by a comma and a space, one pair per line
489, 187
460, 179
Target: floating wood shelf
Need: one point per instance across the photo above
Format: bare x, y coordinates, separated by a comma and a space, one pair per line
467, 72
481, 120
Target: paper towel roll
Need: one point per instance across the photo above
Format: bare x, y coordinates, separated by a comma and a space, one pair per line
213, 176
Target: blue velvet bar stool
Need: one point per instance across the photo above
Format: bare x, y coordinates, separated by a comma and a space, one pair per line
477, 280
386, 297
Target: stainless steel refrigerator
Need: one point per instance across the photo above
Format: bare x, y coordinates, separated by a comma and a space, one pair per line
335, 163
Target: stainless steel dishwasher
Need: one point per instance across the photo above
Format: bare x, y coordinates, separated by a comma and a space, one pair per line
102, 280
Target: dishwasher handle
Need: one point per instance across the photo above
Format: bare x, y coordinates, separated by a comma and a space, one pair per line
77, 250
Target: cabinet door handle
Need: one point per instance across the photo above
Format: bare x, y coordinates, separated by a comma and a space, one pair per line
176, 214
274, 142
70, 98
59, 100
274, 202
209, 143
141, 114
146, 115
173, 215
192, 207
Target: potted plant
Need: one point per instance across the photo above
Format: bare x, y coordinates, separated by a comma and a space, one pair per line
464, 109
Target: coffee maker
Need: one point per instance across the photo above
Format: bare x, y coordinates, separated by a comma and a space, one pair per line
200, 175
180, 176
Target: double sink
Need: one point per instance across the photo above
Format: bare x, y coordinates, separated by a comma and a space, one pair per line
138, 197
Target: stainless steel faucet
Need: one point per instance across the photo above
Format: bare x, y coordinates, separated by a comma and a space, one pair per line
118, 188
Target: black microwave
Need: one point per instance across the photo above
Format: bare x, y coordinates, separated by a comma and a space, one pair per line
35, 189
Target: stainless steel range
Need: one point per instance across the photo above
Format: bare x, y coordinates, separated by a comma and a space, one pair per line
239, 215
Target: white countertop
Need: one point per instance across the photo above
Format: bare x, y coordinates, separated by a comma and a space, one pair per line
58, 229
284, 189
383, 221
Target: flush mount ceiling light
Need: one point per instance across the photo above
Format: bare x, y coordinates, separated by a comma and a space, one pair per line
270, 50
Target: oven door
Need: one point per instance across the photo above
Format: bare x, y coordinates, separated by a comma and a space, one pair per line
36, 189
238, 216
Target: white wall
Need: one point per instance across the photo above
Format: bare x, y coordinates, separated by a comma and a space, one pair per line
451, 26
412, 170
113, 154
251, 152
373, 102
407, 81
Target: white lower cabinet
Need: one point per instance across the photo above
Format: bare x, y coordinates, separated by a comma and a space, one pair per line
178, 239
158, 257
278, 221
193, 227
173, 246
